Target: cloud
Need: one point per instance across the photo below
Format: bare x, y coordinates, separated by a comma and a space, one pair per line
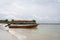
58, 1
46, 10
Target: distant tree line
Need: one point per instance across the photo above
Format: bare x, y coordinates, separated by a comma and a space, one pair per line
12, 21
6, 21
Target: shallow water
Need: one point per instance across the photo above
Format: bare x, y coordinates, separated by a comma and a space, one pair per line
42, 32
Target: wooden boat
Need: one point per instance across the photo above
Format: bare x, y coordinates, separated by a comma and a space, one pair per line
23, 25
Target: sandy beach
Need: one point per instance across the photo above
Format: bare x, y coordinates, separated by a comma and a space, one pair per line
9, 34
5, 35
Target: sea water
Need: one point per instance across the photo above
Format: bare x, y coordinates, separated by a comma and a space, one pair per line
42, 32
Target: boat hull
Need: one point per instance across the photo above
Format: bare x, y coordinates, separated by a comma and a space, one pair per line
22, 26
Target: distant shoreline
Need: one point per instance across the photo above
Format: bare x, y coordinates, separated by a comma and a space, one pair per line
42, 23
49, 23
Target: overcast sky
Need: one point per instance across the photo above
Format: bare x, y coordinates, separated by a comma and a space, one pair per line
40, 10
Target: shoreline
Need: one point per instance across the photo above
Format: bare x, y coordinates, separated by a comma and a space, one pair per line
5, 35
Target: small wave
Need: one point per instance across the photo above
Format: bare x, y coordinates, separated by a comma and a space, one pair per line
19, 36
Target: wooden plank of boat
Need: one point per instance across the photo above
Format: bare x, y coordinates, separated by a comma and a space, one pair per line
23, 26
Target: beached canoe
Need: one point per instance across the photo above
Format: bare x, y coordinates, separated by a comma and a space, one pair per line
23, 25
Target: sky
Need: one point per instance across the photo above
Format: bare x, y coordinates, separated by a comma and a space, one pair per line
40, 10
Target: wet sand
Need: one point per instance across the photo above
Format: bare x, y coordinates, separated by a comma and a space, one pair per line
5, 35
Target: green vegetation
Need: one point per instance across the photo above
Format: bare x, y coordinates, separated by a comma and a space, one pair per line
4, 21
13, 22
33, 21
